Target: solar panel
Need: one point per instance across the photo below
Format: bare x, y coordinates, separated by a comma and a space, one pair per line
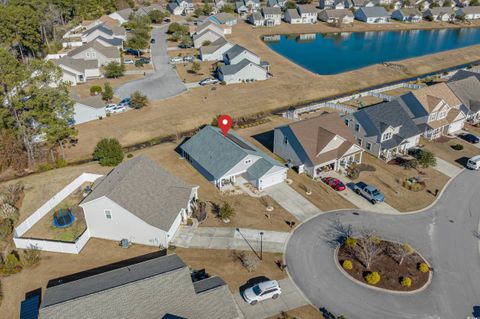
239, 142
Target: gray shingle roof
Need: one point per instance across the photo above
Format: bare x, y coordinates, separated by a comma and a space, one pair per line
109, 52
373, 12
338, 13
125, 13
272, 10
462, 74
218, 154
235, 51
232, 69
146, 190
257, 16
377, 118
468, 91
100, 28
293, 13
79, 65
152, 289
112, 42
259, 168
306, 9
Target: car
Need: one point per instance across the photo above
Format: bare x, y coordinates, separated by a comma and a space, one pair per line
188, 58
176, 59
262, 291
185, 46
474, 163
208, 81
167, 20
115, 109
133, 52
144, 60
124, 102
128, 61
469, 137
152, 41
334, 183
370, 192
415, 152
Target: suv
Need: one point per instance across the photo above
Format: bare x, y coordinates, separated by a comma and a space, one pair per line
262, 291
188, 58
124, 102
470, 138
176, 59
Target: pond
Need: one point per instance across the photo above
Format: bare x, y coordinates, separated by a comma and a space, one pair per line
334, 53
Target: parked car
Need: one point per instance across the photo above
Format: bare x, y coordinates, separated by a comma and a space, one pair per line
208, 81
176, 59
144, 60
124, 102
188, 58
152, 41
128, 61
112, 108
474, 163
334, 183
469, 137
133, 52
185, 46
415, 152
262, 291
370, 192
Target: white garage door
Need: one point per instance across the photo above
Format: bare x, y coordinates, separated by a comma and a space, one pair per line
455, 127
272, 179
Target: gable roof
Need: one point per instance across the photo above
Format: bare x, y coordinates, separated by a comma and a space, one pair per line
470, 10
218, 154
115, 42
109, 52
209, 25
257, 16
462, 74
374, 12
410, 12
441, 11
145, 190
376, 119
231, 69
214, 46
235, 51
430, 96
306, 9
272, 3
316, 133
293, 13
468, 91
156, 288
272, 10
101, 28
79, 65
224, 17
125, 13
338, 13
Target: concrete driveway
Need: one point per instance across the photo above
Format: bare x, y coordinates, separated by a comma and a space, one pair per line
289, 299
443, 234
164, 82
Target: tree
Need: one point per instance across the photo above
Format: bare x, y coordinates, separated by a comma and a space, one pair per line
368, 248
156, 16
107, 94
195, 67
228, 8
114, 70
138, 43
447, 3
226, 211
138, 100
95, 89
108, 152
290, 5
31, 256
427, 159
186, 41
249, 261
11, 264
6, 228
401, 251
475, 3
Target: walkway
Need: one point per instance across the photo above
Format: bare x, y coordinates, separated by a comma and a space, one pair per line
229, 238
164, 82
293, 202
290, 298
446, 168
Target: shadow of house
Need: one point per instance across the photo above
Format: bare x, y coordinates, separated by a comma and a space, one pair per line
462, 161
266, 139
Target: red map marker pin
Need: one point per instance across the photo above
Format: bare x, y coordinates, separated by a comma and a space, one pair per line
224, 123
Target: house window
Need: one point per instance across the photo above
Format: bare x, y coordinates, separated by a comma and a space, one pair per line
108, 214
442, 115
369, 146
359, 141
347, 122
357, 127
248, 161
386, 136
285, 140
433, 116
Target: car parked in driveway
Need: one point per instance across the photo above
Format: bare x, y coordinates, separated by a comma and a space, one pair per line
262, 291
185, 46
208, 81
113, 108
128, 61
176, 59
188, 58
474, 163
144, 60
152, 41
334, 183
370, 192
124, 102
469, 137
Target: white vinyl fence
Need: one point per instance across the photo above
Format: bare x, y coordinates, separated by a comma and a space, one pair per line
53, 245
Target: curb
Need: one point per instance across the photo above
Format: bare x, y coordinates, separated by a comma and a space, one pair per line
384, 290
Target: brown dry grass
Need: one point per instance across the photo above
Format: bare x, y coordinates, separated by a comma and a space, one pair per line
96, 253
473, 129
290, 85
304, 312
398, 92
363, 101
83, 90
388, 178
183, 52
443, 149
187, 76
224, 264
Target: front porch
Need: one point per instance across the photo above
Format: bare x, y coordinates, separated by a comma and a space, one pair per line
389, 154
338, 164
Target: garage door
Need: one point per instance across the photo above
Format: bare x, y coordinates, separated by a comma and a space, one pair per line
272, 179
454, 127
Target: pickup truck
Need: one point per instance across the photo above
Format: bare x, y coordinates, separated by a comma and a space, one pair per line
369, 192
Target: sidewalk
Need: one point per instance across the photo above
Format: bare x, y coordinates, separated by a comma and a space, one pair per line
290, 298
229, 238
293, 202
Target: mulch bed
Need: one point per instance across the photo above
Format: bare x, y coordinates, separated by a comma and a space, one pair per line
391, 273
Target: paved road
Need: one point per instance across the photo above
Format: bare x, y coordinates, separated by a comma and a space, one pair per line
289, 299
164, 82
444, 235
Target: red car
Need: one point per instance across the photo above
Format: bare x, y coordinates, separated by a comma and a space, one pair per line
334, 183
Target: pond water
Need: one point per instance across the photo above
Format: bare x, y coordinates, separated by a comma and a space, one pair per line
339, 52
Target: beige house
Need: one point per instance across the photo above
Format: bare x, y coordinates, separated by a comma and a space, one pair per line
96, 51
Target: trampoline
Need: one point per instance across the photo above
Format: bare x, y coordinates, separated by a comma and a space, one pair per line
63, 218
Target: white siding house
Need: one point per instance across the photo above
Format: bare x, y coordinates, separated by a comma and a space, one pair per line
373, 15
244, 71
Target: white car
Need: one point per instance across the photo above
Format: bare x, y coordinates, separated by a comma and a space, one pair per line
208, 81
113, 108
474, 163
128, 61
176, 59
262, 291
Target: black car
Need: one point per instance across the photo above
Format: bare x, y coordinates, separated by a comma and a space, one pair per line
470, 138
152, 41
185, 46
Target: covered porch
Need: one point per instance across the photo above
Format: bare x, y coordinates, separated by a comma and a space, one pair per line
338, 164
389, 154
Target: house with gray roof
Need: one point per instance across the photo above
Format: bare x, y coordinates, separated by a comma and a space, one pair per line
241, 8
374, 15
336, 16
96, 51
272, 16
256, 18
238, 53
384, 130
468, 13
147, 288
223, 18
443, 14
208, 32
276, 3
467, 91
407, 15
292, 16
463, 74
215, 50
138, 201
225, 160
77, 71
243, 71
88, 109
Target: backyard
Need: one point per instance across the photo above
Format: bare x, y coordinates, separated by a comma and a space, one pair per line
363, 101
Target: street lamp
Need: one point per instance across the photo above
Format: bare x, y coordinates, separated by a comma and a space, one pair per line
261, 245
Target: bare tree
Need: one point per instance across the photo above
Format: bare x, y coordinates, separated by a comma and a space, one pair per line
401, 251
368, 248
249, 261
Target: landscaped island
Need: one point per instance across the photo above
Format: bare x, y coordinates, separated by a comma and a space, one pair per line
334, 53
383, 264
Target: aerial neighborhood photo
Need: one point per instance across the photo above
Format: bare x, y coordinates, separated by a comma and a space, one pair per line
240, 159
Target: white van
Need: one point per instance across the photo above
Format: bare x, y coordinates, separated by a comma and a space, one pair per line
474, 163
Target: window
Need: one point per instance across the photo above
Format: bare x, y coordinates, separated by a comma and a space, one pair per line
442, 115
433, 116
248, 161
285, 140
386, 136
108, 214
369, 146
357, 127
359, 141
347, 122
